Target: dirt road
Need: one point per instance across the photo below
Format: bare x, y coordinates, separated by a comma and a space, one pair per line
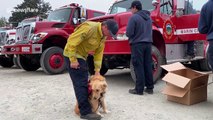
37, 96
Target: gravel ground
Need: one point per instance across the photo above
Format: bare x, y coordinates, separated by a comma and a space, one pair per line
37, 96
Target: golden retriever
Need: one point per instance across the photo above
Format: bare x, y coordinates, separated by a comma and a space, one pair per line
98, 87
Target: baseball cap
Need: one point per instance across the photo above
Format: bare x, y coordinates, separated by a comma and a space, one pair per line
112, 26
136, 4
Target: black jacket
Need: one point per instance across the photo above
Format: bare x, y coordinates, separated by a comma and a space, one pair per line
206, 20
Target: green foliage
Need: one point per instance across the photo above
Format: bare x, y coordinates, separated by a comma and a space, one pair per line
29, 8
3, 22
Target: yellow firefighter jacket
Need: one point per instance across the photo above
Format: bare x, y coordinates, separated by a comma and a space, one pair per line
86, 37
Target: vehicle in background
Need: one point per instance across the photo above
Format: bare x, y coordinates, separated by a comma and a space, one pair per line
7, 36
41, 44
175, 23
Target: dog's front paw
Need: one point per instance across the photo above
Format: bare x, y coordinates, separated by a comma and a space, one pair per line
106, 111
100, 114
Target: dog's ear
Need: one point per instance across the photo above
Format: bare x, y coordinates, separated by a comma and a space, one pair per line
91, 77
101, 78
104, 86
104, 79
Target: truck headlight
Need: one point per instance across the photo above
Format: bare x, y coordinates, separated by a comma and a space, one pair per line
38, 36
122, 36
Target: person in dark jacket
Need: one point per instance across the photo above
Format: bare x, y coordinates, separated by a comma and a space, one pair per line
205, 26
139, 32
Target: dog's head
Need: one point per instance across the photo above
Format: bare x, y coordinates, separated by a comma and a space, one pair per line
99, 87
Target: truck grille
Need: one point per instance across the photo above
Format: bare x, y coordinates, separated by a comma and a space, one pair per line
23, 34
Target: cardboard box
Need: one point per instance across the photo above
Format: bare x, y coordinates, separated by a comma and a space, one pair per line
184, 85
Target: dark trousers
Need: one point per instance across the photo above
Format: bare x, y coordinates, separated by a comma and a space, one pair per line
142, 61
210, 53
79, 79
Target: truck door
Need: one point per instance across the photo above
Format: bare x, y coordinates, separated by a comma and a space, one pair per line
73, 20
76, 18
186, 25
168, 27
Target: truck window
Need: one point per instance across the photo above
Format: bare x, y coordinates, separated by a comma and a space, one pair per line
166, 7
60, 15
96, 14
123, 6
193, 6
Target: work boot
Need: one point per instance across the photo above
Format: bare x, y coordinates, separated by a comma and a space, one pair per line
149, 91
91, 116
133, 91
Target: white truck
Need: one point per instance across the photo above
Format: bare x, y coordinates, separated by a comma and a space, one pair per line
7, 36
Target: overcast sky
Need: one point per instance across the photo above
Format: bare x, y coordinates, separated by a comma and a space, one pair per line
102, 5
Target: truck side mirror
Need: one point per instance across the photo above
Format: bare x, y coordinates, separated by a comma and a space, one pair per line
83, 14
180, 7
155, 2
75, 20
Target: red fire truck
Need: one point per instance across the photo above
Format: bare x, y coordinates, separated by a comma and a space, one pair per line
41, 43
175, 23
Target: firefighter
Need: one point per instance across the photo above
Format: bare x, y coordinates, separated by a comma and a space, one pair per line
89, 36
139, 31
205, 26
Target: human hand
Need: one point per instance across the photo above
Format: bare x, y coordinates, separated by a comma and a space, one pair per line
97, 73
74, 65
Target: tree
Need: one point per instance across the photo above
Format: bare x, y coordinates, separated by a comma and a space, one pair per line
3, 21
29, 8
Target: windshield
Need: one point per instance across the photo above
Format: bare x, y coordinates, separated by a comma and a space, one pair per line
123, 6
60, 15
26, 21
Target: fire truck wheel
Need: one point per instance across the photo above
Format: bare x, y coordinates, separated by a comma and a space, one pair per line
91, 67
15, 62
204, 65
52, 61
28, 63
157, 61
6, 62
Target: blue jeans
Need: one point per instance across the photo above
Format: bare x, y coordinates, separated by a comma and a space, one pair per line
79, 79
210, 54
142, 61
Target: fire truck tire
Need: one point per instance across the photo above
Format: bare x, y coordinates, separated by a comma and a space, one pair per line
6, 62
157, 61
27, 63
15, 62
52, 61
204, 65
91, 67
